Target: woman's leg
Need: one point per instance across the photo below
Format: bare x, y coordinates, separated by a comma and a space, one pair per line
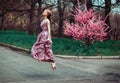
53, 64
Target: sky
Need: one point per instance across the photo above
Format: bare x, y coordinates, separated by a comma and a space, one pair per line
114, 10
101, 2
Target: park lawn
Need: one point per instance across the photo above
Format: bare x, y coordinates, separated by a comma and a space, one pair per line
62, 46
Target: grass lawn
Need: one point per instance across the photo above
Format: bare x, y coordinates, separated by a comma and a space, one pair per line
62, 46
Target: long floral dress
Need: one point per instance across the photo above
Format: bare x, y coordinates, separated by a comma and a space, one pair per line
42, 48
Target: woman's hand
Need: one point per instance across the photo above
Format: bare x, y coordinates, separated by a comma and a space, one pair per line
48, 40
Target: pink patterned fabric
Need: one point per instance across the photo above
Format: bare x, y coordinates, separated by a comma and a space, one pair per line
42, 49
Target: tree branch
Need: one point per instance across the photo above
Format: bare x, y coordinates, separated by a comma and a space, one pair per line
15, 10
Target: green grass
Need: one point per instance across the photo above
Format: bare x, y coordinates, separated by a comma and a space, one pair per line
62, 46
17, 38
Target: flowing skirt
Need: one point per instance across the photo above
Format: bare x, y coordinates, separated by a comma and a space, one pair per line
42, 49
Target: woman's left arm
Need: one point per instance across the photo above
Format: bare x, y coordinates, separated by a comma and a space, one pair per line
49, 31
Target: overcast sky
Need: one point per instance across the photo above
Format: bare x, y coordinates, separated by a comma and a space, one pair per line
101, 3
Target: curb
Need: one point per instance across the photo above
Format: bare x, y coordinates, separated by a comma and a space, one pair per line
87, 57
12, 47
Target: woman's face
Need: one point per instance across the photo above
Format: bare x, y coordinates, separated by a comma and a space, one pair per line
44, 13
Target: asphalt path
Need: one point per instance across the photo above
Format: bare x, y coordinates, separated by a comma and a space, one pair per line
18, 67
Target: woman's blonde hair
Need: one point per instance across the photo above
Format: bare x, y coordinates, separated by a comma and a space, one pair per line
49, 13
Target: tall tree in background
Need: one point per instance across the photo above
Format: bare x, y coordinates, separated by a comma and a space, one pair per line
1, 14
60, 25
38, 29
62, 4
107, 11
31, 16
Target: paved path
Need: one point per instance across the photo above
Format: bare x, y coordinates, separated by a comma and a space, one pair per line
17, 67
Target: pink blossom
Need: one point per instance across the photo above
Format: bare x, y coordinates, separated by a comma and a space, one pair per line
88, 25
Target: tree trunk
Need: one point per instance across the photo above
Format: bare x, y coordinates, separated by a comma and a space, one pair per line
30, 29
38, 29
107, 11
2, 22
60, 24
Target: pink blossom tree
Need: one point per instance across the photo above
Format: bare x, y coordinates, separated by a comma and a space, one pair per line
88, 28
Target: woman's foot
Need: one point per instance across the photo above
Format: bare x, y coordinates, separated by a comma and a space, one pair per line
53, 65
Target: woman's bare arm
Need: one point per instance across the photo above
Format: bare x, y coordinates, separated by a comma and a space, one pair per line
49, 31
